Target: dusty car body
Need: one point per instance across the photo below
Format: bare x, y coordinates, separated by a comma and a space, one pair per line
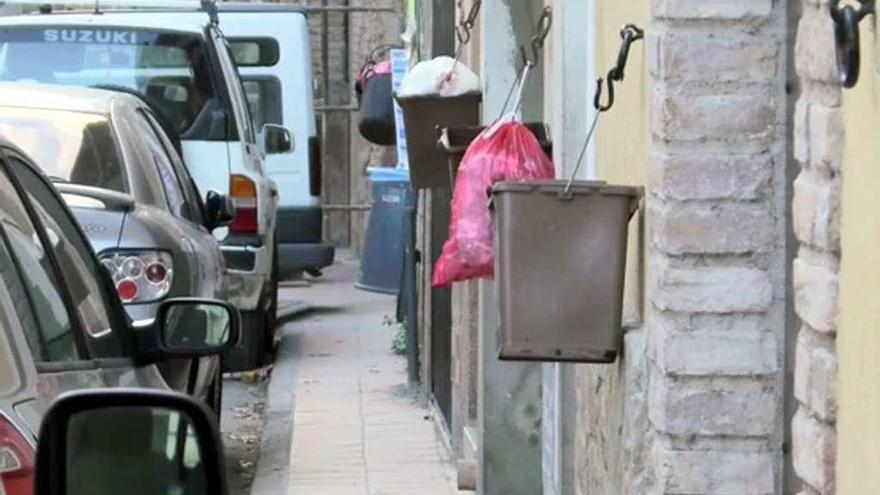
62, 328
130, 191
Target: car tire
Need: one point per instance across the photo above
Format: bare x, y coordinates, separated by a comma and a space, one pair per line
272, 305
250, 353
215, 394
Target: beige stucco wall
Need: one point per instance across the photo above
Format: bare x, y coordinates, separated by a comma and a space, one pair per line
858, 341
612, 422
624, 132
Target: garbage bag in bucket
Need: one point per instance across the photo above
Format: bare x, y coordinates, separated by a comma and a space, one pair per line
510, 153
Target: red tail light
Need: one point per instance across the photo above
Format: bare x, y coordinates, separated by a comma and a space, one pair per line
243, 193
16, 461
140, 276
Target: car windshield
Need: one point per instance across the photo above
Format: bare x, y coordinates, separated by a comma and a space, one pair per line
169, 69
70, 147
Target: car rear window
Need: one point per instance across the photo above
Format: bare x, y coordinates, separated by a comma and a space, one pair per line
171, 69
264, 99
255, 52
73, 147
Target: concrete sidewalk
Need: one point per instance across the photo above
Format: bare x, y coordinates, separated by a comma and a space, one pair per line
357, 429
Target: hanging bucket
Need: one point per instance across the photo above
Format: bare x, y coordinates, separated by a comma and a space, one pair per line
422, 116
455, 141
374, 90
560, 263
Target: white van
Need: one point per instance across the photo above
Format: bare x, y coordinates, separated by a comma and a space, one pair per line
181, 63
270, 44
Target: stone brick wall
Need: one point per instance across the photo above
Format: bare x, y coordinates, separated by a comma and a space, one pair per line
716, 258
349, 41
818, 148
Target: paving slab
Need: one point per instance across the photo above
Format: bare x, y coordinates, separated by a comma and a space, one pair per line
356, 427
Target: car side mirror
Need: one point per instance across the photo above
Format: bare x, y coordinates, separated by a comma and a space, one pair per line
197, 327
276, 139
219, 210
113, 440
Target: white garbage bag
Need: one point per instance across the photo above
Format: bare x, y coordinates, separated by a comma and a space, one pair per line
441, 76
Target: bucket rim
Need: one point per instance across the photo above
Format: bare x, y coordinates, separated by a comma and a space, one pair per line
578, 187
452, 146
464, 96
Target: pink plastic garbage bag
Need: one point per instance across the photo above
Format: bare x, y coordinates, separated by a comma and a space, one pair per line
509, 153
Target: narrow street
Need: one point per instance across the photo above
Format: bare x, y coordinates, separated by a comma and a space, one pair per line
357, 427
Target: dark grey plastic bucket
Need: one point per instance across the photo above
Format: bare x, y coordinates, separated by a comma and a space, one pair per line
560, 261
456, 140
422, 116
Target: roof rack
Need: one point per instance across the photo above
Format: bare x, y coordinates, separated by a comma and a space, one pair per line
100, 6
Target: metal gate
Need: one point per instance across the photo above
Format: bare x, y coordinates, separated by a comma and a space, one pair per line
441, 309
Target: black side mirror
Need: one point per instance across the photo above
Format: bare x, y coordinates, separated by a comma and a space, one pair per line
276, 139
219, 210
197, 327
129, 441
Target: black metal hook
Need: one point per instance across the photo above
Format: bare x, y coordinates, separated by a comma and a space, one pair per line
545, 22
463, 29
846, 37
629, 34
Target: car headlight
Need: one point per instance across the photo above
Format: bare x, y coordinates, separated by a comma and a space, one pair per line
140, 276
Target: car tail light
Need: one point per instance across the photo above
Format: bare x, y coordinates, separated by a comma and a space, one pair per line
140, 276
243, 193
16, 461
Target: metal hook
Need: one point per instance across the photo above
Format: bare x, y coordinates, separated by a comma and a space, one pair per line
463, 29
628, 34
597, 100
545, 22
846, 37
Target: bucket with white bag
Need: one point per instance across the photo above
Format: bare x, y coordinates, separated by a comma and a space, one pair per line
435, 94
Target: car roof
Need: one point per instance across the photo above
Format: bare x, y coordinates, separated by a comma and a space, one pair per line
164, 20
258, 7
58, 97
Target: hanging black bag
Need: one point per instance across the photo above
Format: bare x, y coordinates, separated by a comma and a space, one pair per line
374, 91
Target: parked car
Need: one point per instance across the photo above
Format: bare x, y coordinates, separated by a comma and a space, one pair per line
125, 183
182, 63
62, 327
271, 46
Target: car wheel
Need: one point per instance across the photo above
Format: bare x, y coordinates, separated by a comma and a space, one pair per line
250, 352
215, 394
272, 307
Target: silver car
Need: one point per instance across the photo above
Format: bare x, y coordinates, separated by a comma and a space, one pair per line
116, 168
62, 328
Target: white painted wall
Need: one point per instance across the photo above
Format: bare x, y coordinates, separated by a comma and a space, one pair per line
569, 87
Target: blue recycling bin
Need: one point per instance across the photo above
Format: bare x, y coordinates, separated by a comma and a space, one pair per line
394, 204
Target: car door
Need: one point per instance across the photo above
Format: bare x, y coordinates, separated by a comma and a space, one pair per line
189, 210
254, 160
204, 260
77, 334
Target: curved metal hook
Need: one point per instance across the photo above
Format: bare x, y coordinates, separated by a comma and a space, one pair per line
463, 34
463, 29
846, 37
545, 22
628, 34
597, 100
